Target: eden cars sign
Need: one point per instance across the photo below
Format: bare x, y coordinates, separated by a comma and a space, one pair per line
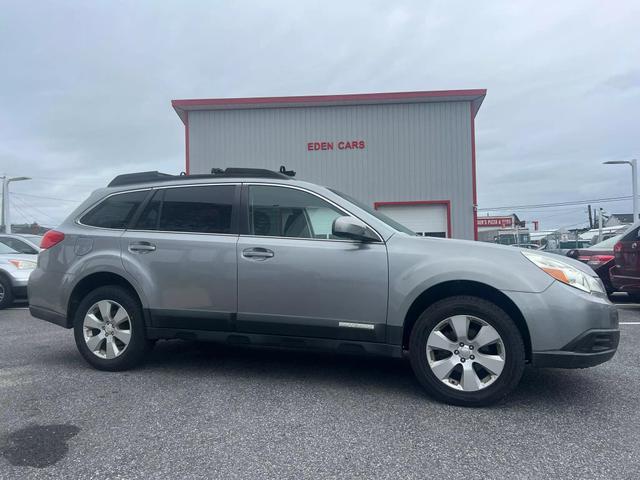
341, 145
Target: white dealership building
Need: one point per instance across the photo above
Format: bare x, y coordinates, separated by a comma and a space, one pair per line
410, 155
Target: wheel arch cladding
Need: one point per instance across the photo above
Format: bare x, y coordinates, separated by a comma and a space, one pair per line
470, 288
93, 281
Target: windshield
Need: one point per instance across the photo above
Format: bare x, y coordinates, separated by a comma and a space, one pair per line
380, 216
607, 244
5, 249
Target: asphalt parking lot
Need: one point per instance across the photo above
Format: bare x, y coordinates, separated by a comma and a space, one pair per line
206, 411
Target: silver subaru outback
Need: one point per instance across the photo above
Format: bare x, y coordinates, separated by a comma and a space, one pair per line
254, 257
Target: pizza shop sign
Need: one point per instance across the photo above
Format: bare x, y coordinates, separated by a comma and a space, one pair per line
341, 145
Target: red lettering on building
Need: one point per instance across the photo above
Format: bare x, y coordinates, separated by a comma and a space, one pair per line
341, 145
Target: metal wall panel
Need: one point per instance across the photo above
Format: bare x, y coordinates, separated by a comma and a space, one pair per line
414, 151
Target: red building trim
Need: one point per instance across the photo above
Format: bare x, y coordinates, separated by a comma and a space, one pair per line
186, 142
473, 175
447, 203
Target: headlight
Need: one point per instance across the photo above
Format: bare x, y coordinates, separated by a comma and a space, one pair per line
565, 273
23, 264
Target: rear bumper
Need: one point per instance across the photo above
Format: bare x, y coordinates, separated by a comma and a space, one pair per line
624, 283
591, 348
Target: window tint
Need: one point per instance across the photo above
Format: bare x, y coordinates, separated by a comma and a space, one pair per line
197, 209
286, 212
115, 211
151, 214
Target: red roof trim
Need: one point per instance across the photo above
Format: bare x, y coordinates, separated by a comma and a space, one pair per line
473, 175
353, 97
447, 203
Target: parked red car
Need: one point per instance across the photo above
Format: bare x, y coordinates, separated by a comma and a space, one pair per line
625, 274
600, 257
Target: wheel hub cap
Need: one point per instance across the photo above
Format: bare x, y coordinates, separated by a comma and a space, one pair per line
107, 329
465, 353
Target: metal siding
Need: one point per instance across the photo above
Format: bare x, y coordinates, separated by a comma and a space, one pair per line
415, 151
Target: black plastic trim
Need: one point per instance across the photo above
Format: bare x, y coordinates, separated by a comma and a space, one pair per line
20, 292
50, 316
278, 341
588, 349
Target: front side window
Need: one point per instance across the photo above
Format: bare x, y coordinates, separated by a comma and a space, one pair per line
115, 211
205, 209
287, 212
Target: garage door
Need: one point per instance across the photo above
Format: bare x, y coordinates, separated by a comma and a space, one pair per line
429, 220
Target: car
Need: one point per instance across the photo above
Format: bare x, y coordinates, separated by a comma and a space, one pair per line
625, 274
15, 269
27, 244
255, 257
599, 257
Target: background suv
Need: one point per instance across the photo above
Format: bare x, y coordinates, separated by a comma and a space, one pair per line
254, 257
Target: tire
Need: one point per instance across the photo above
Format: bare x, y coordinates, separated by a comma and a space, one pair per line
108, 351
506, 356
6, 293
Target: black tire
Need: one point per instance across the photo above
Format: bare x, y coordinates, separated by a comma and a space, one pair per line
7, 298
514, 351
138, 345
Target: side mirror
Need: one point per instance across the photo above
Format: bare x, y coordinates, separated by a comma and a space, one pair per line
352, 228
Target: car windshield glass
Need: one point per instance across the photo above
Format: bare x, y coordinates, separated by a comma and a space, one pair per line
6, 249
606, 244
380, 216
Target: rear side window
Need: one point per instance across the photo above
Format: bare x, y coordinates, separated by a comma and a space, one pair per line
115, 211
205, 209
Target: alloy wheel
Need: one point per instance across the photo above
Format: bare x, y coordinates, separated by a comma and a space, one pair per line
465, 353
107, 329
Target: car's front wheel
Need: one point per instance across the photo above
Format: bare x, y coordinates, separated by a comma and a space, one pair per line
467, 351
109, 329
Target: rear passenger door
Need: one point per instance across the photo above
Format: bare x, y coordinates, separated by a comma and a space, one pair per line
182, 250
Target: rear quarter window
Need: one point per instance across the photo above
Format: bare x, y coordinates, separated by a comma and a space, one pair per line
115, 211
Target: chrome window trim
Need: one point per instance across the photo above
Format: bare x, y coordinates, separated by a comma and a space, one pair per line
331, 202
159, 187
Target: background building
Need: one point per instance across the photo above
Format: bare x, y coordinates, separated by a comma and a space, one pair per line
410, 155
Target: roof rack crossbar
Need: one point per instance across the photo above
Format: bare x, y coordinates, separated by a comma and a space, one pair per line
155, 176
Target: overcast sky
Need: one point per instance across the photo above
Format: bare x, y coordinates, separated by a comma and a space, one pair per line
86, 86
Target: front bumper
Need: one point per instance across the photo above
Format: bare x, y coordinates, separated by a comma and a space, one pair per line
588, 349
568, 328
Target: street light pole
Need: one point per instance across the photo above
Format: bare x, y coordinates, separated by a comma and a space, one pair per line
634, 180
6, 218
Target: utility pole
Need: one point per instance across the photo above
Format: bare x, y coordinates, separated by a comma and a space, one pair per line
599, 224
590, 219
6, 218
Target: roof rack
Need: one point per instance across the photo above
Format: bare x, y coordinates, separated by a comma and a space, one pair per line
155, 176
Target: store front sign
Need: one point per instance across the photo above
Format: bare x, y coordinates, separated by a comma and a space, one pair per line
340, 145
502, 222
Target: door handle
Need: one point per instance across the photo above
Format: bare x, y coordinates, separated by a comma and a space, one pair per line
141, 247
257, 253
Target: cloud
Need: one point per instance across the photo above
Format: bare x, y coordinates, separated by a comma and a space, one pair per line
86, 86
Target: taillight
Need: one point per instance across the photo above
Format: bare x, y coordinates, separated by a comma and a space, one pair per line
51, 238
597, 260
617, 248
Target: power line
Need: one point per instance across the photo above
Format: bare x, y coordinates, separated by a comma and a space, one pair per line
559, 204
19, 210
31, 207
46, 198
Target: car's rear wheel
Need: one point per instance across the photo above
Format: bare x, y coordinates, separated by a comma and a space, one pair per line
467, 351
6, 294
109, 329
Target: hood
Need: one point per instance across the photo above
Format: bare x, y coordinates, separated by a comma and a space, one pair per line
5, 257
494, 251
